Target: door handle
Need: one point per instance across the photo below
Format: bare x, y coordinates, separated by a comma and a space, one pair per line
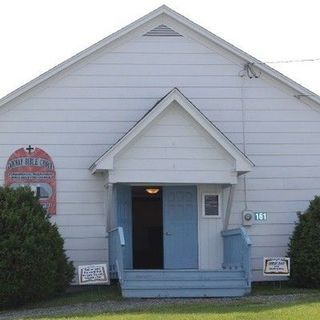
168, 234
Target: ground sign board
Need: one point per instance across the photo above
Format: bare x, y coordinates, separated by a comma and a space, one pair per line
93, 274
276, 266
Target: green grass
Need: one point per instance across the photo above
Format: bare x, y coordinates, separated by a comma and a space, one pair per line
307, 309
279, 288
102, 293
78, 295
92, 294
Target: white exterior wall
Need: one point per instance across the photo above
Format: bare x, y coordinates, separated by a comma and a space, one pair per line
77, 116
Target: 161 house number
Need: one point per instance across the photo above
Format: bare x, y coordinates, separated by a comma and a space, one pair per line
260, 216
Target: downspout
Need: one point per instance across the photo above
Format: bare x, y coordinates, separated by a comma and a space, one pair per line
232, 187
244, 149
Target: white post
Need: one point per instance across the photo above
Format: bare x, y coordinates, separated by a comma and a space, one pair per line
108, 205
229, 207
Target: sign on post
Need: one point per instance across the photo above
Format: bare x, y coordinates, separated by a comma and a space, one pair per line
276, 266
93, 274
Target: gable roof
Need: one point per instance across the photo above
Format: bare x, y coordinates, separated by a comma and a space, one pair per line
164, 10
105, 162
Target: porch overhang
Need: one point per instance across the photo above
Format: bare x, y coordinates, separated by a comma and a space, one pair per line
241, 164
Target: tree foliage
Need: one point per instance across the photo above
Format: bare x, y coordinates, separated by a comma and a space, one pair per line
33, 264
304, 247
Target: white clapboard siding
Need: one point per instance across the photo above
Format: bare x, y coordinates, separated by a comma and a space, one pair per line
79, 220
86, 244
78, 117
270, 229
61, 150
149, 81
71, 115
186, 153
262, 241
56, 138
82, 231
72, 127
272, 251
169, 46
278, 127
87, 255
286, 103
284, 195
86, 197
75, 186
286, 172
186, 135
161, 70
80, 208
74, 174
281, 115
284, 184
159, 58
285, 137
271, 206
286, 160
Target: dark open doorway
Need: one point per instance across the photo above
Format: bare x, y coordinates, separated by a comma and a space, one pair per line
147, 228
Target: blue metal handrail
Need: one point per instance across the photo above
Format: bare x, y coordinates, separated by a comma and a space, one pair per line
237, 251
116, 245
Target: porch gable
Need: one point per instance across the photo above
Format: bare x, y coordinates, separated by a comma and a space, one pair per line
173, 143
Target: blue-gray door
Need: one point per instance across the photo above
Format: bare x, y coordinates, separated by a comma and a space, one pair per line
124, 219
180, 227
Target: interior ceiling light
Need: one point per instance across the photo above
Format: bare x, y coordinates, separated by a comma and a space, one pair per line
152, 190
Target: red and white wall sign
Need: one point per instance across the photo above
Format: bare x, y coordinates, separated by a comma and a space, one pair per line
33, 167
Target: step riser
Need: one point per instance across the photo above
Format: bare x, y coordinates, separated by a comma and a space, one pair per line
136, 284
182, 276
184, 293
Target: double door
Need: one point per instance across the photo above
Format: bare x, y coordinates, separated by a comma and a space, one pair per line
162, 233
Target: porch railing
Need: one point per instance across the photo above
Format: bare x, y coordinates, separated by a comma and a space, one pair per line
116, 245
237, 251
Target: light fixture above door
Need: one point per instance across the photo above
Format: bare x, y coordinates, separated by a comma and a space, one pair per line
152, 190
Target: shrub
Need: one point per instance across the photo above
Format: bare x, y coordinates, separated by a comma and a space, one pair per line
304, 247
33, 265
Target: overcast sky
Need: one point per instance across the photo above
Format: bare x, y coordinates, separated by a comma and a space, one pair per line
36, 35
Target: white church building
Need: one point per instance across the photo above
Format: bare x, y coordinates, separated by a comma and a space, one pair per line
169, 155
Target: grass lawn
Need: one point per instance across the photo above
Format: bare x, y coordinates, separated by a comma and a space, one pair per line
250, 311
85, 295
102, 293
250, 308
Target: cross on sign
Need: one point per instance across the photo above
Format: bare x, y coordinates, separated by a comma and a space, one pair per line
29, 149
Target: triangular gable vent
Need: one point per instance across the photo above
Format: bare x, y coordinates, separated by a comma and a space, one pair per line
162, 31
